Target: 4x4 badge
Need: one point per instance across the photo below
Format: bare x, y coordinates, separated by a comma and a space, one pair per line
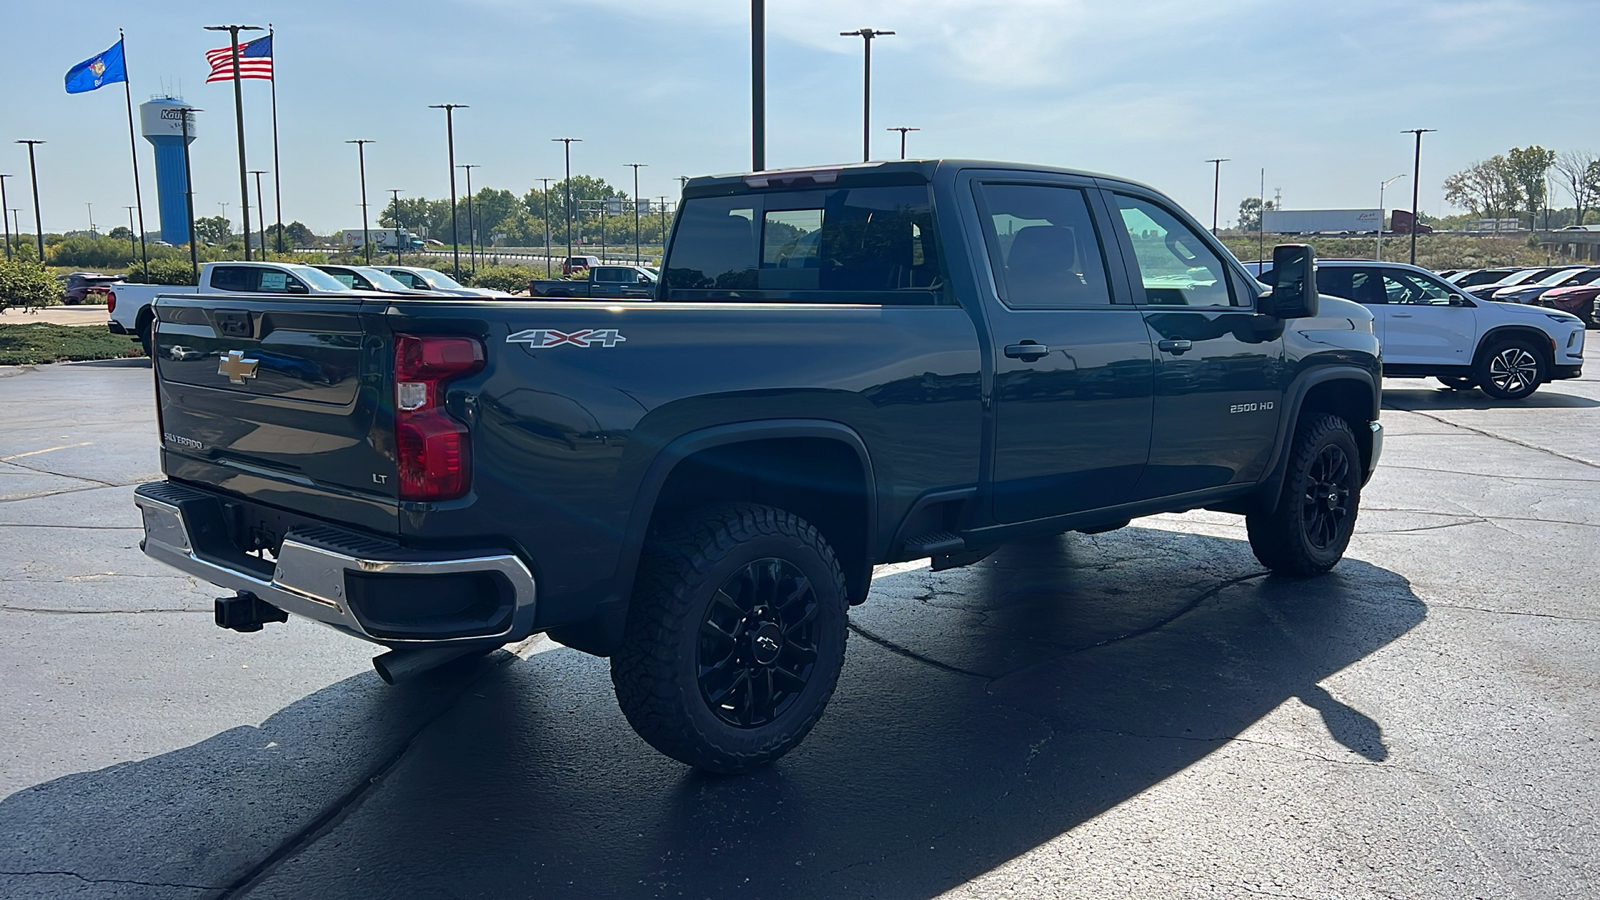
544, 337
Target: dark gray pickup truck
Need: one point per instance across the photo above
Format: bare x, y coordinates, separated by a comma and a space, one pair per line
842, 367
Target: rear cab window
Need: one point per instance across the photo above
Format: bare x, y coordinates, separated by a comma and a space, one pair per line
1043, 246
866, 244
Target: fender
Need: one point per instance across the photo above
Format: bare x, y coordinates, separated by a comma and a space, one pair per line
602, 633
1544, 342
1272, 485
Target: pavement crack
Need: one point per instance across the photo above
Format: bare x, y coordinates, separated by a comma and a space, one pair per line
11, 461
92, 612
908, 653
1497, 437
86, 879
1511, 612
1496, 477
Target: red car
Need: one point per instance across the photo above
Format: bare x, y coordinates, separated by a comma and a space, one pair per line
1579, 300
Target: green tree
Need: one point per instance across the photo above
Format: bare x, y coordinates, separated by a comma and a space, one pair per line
163, 270
28, 285
82, 250
1579, 171
1528, 169
121, 233
1249, 213
295, 234
214, 229
1488, 188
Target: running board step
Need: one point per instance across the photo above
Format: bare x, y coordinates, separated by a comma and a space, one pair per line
935, 543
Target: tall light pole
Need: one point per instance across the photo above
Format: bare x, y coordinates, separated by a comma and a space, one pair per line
636, 167
1383, 212
33, 175
1416, 176
261, 217
238, 116
758, 87
902, 129
662, 209
472, 228
134, 231
4, 204
366, 231
399, 228
866, 35
1216, 189
546, 195
568, 147
450, 138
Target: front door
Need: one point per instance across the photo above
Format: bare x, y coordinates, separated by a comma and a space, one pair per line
1072, 357
1425, 324
1220, 369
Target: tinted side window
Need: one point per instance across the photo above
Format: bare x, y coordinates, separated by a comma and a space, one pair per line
233, 278
1044, 248
1350, 283
844, 245
1406, 288
1176, 266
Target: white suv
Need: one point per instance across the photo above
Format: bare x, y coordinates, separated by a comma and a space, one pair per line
1430, 328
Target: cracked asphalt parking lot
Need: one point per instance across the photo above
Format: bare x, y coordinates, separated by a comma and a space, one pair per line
1142, 713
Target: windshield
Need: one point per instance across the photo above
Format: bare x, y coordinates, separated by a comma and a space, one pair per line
382, 280
317, 278
440, 280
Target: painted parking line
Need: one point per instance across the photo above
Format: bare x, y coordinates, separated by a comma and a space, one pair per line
45, 450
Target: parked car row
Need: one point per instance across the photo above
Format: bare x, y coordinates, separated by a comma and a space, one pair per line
1429, 327
1572, 289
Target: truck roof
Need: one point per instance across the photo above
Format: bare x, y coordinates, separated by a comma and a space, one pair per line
909, 169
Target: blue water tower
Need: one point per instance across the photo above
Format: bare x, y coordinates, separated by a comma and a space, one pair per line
161, 120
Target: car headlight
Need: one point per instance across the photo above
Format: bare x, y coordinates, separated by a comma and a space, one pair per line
1565, 318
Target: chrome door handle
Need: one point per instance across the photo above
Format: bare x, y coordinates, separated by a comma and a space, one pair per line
1176, 348
1027, 351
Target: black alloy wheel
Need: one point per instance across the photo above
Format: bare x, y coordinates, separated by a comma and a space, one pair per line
1326, 505
758, 643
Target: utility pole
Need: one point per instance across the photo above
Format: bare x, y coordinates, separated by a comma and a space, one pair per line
636, 167
261, 217
758, 87
366, 231
38, 222
545, 194
4, 204
902, 129
188, 194
91, 218
472, 229
133, 238
398, 227
568, 142
1216, 190
238, 115
1416, 177
866, 35
450, 137
663, 210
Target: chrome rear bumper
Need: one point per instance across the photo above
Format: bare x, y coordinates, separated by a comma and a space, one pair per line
311, 573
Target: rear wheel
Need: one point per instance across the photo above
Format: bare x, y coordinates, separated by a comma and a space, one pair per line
1510, 370
1316, 514
147, 337
734, 639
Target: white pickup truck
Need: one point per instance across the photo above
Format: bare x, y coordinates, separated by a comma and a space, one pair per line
130, 305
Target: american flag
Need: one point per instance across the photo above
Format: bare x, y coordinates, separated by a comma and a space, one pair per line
255, 60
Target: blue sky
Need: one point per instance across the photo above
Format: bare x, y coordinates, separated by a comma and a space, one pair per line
1316, 93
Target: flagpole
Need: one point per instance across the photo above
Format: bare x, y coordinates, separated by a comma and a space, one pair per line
133, 147
277, 167
238, 116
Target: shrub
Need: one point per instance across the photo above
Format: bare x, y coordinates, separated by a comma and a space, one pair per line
168, 270
28, 285
511, 279
83, 251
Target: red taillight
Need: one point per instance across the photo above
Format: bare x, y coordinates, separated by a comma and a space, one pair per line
433, 449
111, 301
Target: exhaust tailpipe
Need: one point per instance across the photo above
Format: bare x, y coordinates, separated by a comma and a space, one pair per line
404, 664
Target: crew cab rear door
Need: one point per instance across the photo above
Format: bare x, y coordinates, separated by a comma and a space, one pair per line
1072, 358
278, 397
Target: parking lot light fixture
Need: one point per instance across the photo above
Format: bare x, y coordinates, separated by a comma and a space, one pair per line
1383, 213
866, 35
902, 129
636, 167
1416, 176
366, 233
472, 229
33, 175
450, 140
568, 142
1216, 189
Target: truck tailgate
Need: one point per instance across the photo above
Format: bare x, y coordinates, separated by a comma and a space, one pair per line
281, 400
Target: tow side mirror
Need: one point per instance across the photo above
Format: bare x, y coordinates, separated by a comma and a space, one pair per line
1294, 296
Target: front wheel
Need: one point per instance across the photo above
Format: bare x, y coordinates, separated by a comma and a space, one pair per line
1510, 370
734, 639
1316, 514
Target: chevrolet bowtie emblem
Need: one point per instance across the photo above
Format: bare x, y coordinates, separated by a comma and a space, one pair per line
236, 367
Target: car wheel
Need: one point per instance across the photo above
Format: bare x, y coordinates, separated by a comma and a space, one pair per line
147, 338
1510, 370
1458, 382
734, 639
1308, 531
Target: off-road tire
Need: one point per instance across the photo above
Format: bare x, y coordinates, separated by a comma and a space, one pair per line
658, 671
1511, 369
147, 338
1294, 538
